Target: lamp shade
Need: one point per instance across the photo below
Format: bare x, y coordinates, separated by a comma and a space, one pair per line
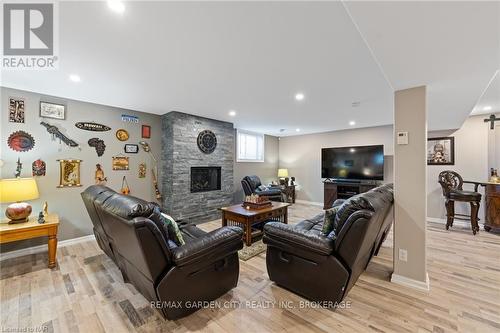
18, 189
282, 173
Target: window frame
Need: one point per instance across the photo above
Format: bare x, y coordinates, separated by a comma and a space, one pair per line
256, 134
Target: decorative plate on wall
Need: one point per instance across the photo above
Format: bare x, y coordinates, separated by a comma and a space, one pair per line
21, 141
207, 141
122, 135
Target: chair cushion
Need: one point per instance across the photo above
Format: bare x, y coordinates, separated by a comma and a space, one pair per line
468, 196
350, 206
315, 223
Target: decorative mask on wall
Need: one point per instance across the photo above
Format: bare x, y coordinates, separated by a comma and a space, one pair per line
91, 126
57, 134
38, 168
16, 110
142, 170
21, 141
69, 173
99, 175
98, 144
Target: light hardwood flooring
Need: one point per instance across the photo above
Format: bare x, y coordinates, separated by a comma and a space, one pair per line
86, 293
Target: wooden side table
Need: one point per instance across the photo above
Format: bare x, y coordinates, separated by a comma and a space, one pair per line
33, 229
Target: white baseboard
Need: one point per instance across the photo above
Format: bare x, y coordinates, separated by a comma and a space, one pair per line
456, 223
43, 248
305, 202
407, 282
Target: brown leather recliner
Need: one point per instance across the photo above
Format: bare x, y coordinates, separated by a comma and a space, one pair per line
297, 253
177, 277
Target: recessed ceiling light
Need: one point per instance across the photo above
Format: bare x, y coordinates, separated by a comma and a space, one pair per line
232, 113
299, 96
75, 78
487, 108
116, 6
352, 123
297, 130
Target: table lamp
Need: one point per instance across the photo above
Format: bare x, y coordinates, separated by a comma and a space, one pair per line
17, 190
283, 176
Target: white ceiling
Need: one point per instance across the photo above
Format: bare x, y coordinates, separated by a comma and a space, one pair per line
208, 58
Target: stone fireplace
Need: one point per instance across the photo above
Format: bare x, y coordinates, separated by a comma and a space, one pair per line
195, 185
204, 179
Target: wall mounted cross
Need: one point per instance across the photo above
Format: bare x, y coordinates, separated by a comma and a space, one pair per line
492, 120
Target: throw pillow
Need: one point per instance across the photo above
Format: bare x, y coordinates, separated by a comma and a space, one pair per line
329, 220
263, 187
176, 235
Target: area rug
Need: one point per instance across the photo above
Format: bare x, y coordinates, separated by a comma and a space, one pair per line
255, 249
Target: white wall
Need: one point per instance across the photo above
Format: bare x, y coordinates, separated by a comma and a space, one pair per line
301, 155
67, 201
471, 162
267, 170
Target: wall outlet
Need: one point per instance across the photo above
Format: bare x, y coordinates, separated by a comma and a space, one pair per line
403, 255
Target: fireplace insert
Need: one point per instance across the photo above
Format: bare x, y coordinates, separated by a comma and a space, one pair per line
205, 179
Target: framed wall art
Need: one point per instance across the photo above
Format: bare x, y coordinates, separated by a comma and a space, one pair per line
69, 173
16, 110
52, 110
146, 132
120, 163
441, 151
131, 149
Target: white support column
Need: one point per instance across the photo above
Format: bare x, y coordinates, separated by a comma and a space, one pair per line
410, 192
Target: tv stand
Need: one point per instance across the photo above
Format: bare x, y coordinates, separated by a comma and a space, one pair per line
344, 189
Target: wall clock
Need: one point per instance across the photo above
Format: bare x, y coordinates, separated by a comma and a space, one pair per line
207, 141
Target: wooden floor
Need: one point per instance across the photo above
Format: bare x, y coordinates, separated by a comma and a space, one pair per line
86, 294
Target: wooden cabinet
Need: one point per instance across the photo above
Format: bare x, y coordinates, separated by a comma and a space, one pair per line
343, 190
492, 209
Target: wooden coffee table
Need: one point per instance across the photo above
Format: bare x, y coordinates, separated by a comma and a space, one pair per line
239, 216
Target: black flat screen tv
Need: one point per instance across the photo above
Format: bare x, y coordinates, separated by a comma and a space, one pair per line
353, 163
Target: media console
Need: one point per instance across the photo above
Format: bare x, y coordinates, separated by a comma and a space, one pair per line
344, 189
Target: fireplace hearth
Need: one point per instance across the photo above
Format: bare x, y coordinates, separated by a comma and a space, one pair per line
204, 179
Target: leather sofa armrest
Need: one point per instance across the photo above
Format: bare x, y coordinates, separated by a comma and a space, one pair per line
277, 232
212, 246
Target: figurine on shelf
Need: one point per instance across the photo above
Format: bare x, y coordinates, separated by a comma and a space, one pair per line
494, 178
45, 208
41, 219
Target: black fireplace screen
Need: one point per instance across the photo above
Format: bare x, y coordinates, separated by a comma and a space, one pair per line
205, 179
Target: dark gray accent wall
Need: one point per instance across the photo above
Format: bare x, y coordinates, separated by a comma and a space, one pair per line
180, 152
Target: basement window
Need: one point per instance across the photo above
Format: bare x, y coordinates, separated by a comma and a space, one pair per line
249, 146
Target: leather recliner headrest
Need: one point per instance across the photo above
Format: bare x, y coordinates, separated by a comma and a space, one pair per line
128, 207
